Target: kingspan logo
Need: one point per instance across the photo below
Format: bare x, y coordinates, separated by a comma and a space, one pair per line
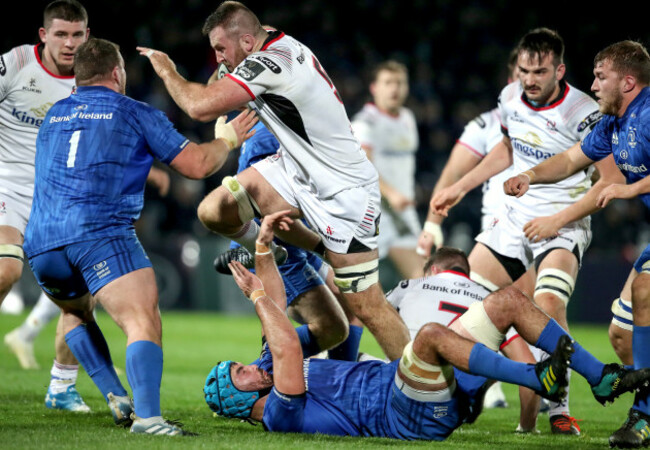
528, 146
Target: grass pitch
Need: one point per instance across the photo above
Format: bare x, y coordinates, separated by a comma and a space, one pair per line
193, 343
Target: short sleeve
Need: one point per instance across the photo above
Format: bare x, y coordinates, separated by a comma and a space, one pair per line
596, 145
162, 137
260, 73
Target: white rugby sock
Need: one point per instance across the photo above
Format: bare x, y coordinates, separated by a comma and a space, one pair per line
43, 313
246, 236
63, 375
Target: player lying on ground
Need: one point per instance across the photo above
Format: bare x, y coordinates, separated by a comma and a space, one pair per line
426, 394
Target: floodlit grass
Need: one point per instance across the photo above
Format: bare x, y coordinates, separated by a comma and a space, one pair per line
193, 343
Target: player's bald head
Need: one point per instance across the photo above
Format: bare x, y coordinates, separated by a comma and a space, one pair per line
235, 18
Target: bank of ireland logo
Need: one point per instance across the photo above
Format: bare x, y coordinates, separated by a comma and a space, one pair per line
624, 154
101, 269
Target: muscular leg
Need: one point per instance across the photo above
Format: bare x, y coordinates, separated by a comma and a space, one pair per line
10, 267
620, 330
371, 307
486, 267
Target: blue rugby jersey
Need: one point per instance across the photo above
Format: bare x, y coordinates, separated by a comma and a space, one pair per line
93, 154
628, 138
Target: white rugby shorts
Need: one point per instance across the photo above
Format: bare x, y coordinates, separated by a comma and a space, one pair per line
398, 229
505, 235
14, 209
351, 213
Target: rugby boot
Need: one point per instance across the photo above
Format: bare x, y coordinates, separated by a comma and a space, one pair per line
564, 424
158, 426
68, 400
634, 433
552, 371
247, 260
617, 380
22, 348
121, 408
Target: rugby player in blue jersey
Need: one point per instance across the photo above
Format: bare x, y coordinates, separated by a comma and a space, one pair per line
426, 394
622, 75
94, 152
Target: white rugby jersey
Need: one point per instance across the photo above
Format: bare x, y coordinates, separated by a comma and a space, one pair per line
27, 91
480, 136
440, 298
393, 141
299, 104
537, 133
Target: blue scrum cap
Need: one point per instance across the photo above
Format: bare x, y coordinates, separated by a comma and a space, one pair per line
223, 397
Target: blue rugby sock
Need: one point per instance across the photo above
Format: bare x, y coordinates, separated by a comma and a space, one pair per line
641, 355
88, 345
144, 365
582, 361
490, 364
348, 349
308, 341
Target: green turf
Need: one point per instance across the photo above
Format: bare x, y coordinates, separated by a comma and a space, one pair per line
193, 343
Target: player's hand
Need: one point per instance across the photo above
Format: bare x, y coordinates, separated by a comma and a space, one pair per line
237, 130
161, 63
431, 236
277, 221
516, 186
446, 199
245, 279
614, 191
159, 179
542, 228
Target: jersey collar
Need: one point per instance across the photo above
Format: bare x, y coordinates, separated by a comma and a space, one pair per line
273, 36
455, 272
564, 90
37, 53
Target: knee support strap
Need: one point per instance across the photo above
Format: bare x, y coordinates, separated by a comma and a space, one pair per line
357, 278
556, 282
478, 324
245, 203
413, 368
622, 310
14, 251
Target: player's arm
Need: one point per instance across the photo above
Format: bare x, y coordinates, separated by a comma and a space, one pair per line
159, 179
517, 350
622, 190
461, 161
201, 102
199, 161
497, 160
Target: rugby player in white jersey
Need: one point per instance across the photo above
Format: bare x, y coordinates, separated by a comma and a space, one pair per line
33, 78
442, 296
541, 115
480, 136
388, 133
320, 171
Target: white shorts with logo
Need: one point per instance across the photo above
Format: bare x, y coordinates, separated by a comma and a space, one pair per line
349, 214
505, 235
398, 229
14, 209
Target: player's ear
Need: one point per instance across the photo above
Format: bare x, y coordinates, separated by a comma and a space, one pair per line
560, 71
629, 83
247, 42
42, 34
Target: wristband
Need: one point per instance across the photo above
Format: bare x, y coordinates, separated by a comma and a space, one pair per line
434, 230
261, 249
257, 293
530, 174
226, 131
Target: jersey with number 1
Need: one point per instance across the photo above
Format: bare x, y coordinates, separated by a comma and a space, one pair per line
440, 298
296, 100
93, 154
27, 91
540, 132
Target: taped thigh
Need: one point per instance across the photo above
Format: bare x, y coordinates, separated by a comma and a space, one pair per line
358, 277
556, 282
14, 251
246, 205
478, 324
413, 368
622, 314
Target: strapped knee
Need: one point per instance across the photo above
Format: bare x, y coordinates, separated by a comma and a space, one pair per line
357, 278
622, 310
478, 324
413, 368
245, 203
14, 251
556, 282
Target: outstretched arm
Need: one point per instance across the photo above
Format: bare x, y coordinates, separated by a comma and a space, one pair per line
201, 102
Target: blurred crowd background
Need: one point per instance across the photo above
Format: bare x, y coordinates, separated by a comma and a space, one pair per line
456, 52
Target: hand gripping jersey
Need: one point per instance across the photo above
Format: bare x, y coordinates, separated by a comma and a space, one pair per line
94, 152
628, 138
27, 91
298, 103
480, 136
394, 141
440, 298
537, 133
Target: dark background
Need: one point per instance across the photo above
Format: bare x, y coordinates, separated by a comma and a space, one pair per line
456, 52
